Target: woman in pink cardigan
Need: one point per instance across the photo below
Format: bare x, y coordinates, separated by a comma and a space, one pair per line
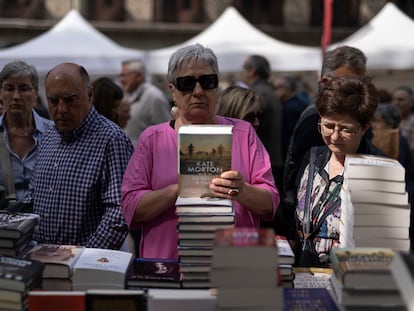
150, 184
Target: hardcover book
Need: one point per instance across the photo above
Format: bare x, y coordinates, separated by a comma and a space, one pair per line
111, 300
284, 250
204, 151
402, 270
17, 225
56, 300
59, 259
154, 272
363, 267
242, 246
18, 274
101, 268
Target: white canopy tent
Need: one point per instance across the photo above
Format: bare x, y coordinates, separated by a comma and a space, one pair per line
233, 39
386, 40
72, 39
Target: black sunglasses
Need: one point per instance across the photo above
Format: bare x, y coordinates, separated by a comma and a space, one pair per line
187, 84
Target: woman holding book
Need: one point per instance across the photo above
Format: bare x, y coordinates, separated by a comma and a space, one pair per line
150, 185
346, 108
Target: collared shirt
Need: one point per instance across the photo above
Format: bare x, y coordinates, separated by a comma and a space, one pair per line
23, 168
76, 185
154, 165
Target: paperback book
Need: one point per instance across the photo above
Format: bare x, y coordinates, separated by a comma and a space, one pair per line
402, 270
17, 225
363, 267
204, 152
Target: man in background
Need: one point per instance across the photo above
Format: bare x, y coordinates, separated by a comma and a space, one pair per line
256, 74
76, 184
148, 104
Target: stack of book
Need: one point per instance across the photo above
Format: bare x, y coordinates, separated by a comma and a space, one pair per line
198, 220
101, 269
16, 231
244, 270
17, 278
362, 278
402, 269
286, 260
59, 262
204, 153
375, 208
148, 273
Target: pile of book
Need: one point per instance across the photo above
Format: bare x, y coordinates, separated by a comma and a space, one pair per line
198, 220
59, 262
402, 269
375, 207
16, 231
244, 270
17, 278
362, 278
153, 273
204, 153
286, 260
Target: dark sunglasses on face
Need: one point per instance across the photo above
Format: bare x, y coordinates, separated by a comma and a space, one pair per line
188, 83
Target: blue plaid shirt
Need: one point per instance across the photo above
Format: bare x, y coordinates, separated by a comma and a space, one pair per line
76, 184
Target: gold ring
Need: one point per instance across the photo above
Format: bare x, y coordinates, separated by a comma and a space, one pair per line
233, 191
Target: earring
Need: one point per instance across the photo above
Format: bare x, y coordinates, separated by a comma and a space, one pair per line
174, 111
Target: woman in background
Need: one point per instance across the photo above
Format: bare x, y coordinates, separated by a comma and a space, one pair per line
110, 102
240, 103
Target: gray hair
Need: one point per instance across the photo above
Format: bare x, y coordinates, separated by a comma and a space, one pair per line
136, 65
20, 69
191, 53
390, 114
341, 56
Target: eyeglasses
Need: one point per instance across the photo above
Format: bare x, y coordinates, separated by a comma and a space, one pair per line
24, 89
188, 83
328, 129
68, 99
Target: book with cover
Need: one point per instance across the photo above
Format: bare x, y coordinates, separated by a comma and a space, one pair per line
112, 300
43, 300
18, 274
312, 277
363, 267
59, 259
101, 268
17, 225
309, 299
204, 151
402, 270
284, 250
154, 272
242, 246
363, 166
366, 297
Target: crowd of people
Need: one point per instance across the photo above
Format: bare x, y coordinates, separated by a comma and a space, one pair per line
99, 161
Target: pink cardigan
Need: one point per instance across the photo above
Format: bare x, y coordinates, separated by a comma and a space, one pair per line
153, 166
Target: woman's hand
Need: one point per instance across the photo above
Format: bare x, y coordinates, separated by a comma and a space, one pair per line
229, 185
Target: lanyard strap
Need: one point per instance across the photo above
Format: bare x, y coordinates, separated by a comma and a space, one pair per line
306, 225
